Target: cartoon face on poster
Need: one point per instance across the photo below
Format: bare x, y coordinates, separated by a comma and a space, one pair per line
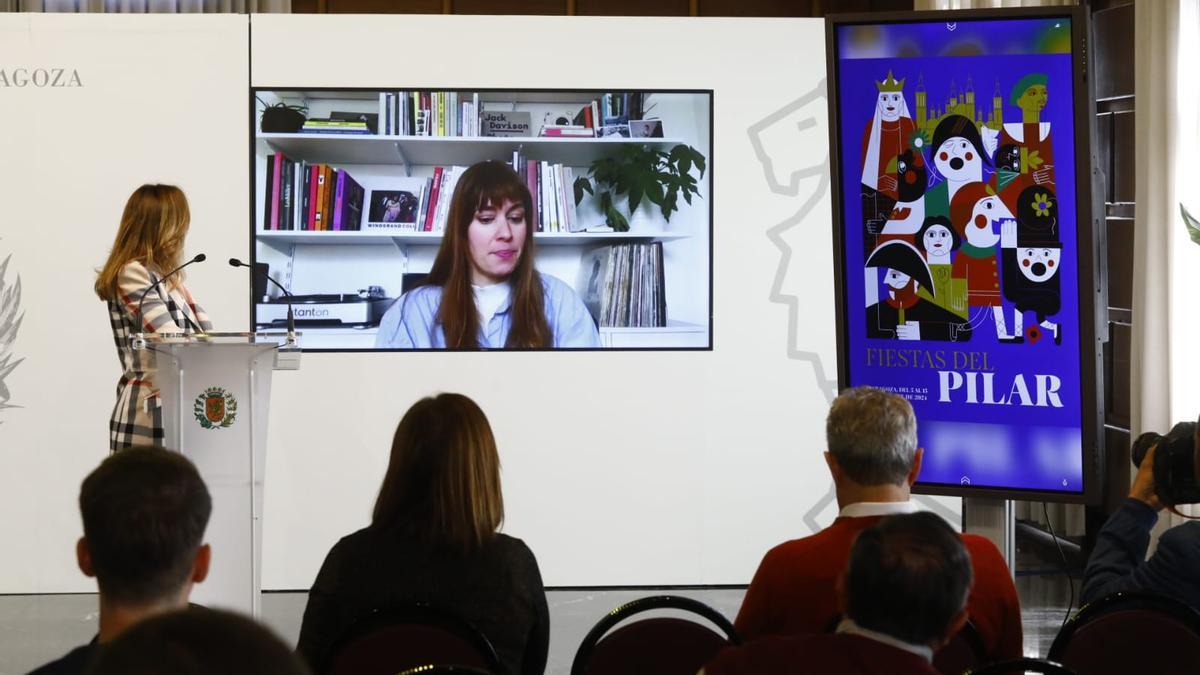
957, 151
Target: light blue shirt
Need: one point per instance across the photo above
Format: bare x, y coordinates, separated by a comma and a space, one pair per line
411, 322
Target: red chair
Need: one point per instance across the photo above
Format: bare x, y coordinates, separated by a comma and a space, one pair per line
390, 641
654, 646
1015, 666
1131, 633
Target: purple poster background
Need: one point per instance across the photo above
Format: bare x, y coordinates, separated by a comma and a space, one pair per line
991, 414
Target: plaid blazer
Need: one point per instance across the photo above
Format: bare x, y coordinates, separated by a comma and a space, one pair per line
137, 415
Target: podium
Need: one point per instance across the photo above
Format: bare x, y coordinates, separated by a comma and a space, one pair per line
215, 390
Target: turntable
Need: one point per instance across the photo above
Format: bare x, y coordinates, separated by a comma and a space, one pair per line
328, 310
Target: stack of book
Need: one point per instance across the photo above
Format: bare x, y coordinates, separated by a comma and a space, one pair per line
552, 188
310, 197
334, 126
622, 285
429, 113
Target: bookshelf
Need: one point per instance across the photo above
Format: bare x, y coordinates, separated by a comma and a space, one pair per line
323, 262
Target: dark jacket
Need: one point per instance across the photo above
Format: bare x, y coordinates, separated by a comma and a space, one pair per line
498, 589
1118, 562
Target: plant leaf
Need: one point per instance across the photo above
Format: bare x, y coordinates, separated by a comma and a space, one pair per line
635, 196
1193, 227
582, 185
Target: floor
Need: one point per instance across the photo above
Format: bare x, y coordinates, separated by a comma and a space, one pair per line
37, 628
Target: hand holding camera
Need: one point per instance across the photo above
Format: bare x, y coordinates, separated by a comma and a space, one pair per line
1166, 467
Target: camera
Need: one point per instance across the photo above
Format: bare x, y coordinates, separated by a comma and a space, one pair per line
1175, 480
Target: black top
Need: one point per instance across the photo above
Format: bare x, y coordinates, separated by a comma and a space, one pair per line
74, 663
498, 589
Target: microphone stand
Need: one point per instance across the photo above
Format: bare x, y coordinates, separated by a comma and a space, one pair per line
291, 319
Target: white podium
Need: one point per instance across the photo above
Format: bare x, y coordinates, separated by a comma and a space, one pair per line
216, 391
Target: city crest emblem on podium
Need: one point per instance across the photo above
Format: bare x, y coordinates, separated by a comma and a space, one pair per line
215, 408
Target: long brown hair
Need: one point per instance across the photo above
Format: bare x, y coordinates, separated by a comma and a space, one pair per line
487, 184
442, 484
152, 230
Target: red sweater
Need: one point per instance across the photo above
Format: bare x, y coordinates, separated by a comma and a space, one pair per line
793, 591
818, 655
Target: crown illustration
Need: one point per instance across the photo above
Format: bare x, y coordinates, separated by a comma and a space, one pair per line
890, 84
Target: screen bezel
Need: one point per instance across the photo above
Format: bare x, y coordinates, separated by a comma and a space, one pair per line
252, 101
1087, 232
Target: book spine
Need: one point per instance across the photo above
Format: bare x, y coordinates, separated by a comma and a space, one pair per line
339, 195
289, 196
319, 219
275, 197
330, 179
381, 125
266, 189
434, 196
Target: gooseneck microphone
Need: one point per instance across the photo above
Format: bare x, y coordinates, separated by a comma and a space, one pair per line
200, 257
291, 319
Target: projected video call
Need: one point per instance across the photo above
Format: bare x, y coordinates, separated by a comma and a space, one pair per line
958, 178
484, 220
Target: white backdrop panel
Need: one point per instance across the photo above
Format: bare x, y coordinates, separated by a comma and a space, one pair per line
628, 468
162, 100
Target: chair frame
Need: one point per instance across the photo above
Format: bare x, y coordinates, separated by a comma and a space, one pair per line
1043, 666
584, 654
418, 614
1123, 600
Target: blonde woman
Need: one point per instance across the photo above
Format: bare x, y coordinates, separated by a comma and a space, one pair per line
149, 244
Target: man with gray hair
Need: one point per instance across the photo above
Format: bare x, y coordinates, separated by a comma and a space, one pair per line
874, 460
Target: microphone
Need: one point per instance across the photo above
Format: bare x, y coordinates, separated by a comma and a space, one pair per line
291, 319
200, 257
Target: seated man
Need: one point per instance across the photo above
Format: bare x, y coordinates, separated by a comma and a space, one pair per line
144, 513
903, 594
1118, 562
874, 459
198, 641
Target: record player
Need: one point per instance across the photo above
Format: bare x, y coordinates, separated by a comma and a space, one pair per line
327, 310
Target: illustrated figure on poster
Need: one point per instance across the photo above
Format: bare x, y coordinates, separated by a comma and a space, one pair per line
1032, 255
959, 157
909, 212
938, 240
1030, 136
904, 314
978, 213
885, 137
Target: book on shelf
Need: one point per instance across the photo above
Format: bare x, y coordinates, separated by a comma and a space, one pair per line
623, 285
395, 204
299, 196
566, 131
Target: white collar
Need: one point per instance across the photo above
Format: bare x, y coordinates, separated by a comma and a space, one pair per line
868, 509
848, 627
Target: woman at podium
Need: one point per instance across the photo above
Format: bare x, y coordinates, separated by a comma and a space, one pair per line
142, 282
483, 291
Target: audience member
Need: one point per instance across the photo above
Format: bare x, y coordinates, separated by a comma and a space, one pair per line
903, 595
1118, 561
198, 641
874, 459
433, 540
144, 513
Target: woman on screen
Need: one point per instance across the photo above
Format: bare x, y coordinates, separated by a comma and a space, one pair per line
433, 541
483, 291
149, 245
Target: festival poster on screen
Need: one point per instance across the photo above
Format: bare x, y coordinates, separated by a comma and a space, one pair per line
959, 216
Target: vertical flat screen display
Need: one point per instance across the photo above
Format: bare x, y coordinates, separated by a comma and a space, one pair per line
959, 241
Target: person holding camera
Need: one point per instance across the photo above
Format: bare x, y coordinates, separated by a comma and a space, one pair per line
1166, 477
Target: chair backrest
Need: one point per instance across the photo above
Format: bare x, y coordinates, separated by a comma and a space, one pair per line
1018, 666
655, 646
1131, 633
445, 670
389, 641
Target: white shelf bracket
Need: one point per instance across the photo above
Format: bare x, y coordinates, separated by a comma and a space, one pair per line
403, 158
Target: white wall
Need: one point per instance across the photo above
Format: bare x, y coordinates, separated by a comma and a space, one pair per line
162, 100
621, 469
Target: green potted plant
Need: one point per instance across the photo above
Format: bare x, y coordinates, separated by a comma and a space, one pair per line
1193, 227
640, 172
